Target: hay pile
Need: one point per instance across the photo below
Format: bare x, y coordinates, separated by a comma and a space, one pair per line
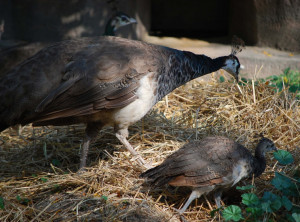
38, 182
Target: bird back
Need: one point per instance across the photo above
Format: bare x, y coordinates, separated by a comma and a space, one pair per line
199, 163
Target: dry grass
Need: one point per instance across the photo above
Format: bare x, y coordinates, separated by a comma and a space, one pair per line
34, 189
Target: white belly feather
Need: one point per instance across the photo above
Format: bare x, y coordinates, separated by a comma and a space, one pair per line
137, 109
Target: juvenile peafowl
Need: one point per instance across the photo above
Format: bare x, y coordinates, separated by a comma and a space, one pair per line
212, 164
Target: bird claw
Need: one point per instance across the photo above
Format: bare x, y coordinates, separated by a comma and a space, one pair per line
81, 171
142, 162
182, 218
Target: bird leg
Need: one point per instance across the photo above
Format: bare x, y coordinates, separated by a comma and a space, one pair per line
218, 195
84, 151
91, 132
122, 134
195, 194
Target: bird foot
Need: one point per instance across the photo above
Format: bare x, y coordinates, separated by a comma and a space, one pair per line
81, 171
180, 212
140, 160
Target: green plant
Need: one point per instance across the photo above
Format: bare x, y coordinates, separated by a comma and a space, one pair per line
22, 200
275, 205
288, 79
1, 203
232, 212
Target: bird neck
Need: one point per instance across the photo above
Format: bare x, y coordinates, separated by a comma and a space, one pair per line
185, 66
259, 161
109, 29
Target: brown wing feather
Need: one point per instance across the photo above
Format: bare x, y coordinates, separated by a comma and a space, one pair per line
93, 80
76, 77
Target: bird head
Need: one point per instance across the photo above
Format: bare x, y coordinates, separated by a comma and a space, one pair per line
121, 19
232, 64
266, 145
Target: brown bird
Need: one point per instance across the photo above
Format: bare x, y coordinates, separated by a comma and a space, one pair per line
99, 81
212, 164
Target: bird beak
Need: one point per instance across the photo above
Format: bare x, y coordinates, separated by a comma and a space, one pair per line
235, 75
132, 21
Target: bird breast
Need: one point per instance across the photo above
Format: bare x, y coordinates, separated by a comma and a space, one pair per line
146, 93
240, 170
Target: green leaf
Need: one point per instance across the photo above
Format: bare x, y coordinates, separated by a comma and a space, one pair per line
286, 71
244, 79
266, 207
248, 187
250, 199
296, 217
281, 182
104, 197
254, 211
1, 203
283, 157
23, 200
275, 205
285, 185
286, 203
289, 218
270, 202
44, 179
232, 212
18, 198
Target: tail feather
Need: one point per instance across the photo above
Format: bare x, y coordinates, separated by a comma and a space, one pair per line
156, 176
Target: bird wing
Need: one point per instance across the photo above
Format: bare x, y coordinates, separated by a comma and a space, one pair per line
94, 79
197, 163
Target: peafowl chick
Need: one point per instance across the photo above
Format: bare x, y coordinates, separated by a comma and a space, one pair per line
211, 164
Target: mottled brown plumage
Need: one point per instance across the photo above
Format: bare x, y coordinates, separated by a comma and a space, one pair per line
98, 81
213, 163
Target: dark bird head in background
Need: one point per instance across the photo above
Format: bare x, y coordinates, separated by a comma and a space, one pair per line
232, 64
117, 21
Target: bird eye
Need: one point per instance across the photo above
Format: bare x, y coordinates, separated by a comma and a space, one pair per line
123, 19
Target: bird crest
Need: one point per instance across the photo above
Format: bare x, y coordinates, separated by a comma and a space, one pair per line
237, 45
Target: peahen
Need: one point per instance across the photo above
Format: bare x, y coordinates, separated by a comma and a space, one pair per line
100, 81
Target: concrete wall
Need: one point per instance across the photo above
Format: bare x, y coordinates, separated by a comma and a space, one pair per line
274, 23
